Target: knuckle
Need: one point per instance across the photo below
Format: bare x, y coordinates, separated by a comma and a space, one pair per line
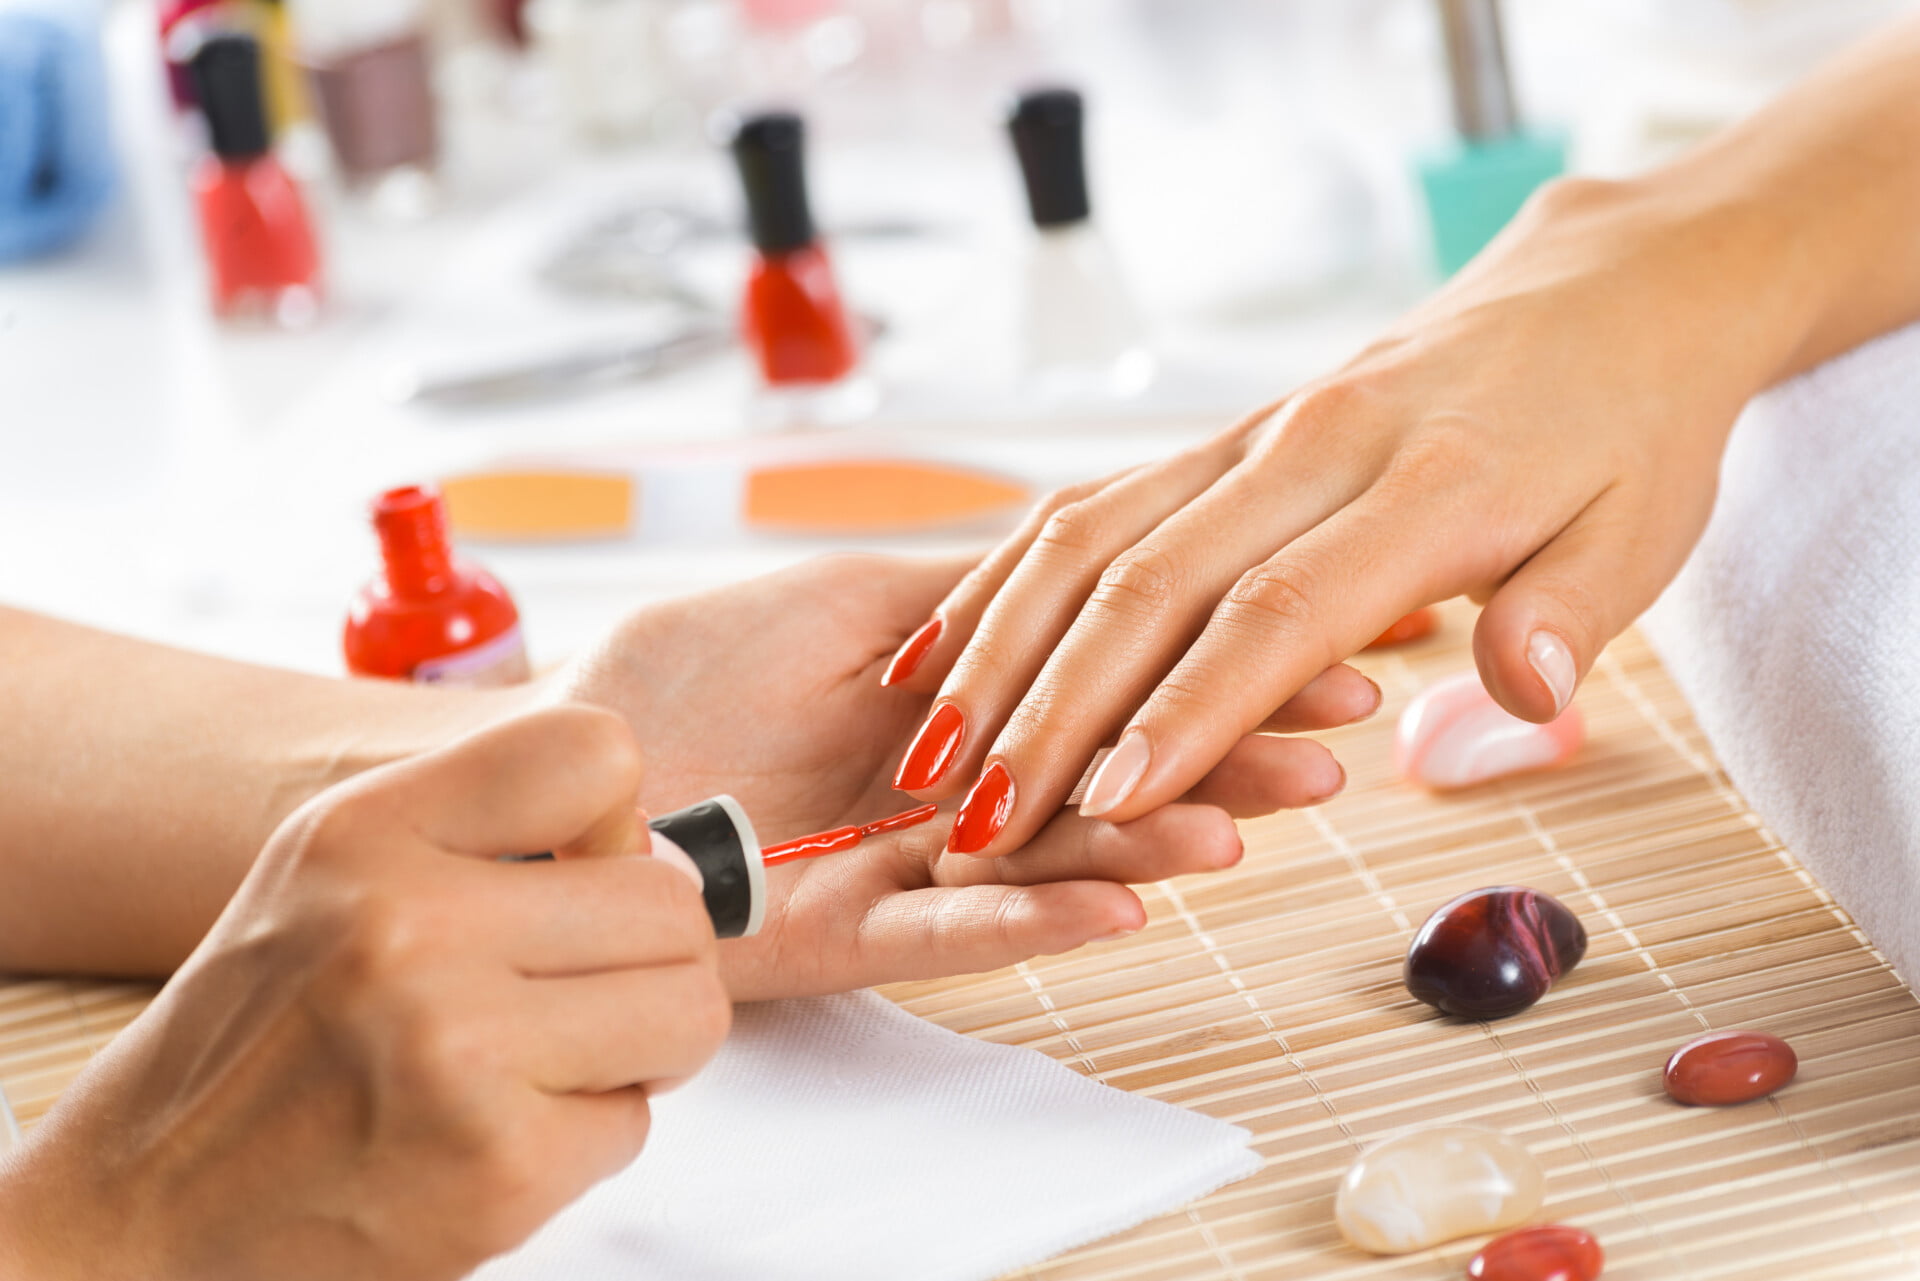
334, 828
1072, 534
1142, 580
1331, 401
1571, 196
603, 739
1067, 495
1185, 687
1446, 455
382, 936
510, 1184
987, 659
1277, 594
1318, 419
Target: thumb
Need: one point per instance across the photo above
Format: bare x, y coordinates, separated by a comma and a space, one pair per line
1546, 625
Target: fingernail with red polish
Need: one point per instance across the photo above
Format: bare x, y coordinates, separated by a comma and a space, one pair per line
907, 660
984, 812
933, 751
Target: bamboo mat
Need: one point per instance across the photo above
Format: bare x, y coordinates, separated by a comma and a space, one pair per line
1269, 996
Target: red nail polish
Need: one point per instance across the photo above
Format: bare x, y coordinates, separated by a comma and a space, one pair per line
260, 246
910, 655
933, 751
984, 813
430, 617
1421, 622
792, 316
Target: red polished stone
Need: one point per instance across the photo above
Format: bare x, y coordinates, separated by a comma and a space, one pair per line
1539, 1254
1420, 623
1723, 1068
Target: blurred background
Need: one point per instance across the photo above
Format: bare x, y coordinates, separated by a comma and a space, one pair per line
663, 293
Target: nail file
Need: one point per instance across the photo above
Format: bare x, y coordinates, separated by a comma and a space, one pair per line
561, 503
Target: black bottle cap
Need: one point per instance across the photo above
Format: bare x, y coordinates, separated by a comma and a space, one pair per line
768, 149
718, 837
1046, 125
226, 80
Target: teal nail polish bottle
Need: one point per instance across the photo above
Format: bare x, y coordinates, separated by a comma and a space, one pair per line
1475, 183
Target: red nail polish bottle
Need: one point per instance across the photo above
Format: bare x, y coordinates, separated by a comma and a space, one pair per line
430, 617
260, 247
791, 316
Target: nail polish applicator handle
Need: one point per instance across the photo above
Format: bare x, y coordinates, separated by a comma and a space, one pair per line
719, 838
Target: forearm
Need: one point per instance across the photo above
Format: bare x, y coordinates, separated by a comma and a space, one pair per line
1831, 166
140, 781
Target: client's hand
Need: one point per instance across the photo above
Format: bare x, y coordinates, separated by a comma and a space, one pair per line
770, 690
393, 1056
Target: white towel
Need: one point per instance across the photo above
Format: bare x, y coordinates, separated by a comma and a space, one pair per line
1795, 629
841, 1138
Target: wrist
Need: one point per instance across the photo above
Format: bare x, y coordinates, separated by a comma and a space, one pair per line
33, 1244
1698, 285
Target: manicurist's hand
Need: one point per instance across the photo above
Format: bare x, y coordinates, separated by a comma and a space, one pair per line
771, 690
393, 1056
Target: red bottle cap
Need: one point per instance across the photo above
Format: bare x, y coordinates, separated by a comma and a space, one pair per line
412, 524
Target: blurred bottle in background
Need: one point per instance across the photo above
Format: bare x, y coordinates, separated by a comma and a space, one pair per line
633, 71
792, 46
261, 256
791, 315
372, 78
1081, 334
287, 101
1477, 182
56, 159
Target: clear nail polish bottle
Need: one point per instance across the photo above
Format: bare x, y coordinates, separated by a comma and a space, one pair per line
1081, 334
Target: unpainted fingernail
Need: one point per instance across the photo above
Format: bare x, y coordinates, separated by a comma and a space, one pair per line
1119, 774
669, 852
1552, 662
1339, 785
1378, 698
1117, 935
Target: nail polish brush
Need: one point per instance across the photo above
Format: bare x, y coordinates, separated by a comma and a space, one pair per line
718, 836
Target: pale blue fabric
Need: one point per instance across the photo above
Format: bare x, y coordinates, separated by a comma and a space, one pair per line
56, 155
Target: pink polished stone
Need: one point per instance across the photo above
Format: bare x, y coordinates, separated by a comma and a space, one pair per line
1724, 1068
1539, 1254
1454, 735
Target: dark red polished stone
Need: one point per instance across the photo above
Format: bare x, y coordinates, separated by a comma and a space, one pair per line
1539, 1254
1723, 1068
1493, 952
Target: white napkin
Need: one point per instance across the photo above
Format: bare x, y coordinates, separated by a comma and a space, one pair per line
842, 1138
1795, 629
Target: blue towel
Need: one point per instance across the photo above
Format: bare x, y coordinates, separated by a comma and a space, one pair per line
56, 159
